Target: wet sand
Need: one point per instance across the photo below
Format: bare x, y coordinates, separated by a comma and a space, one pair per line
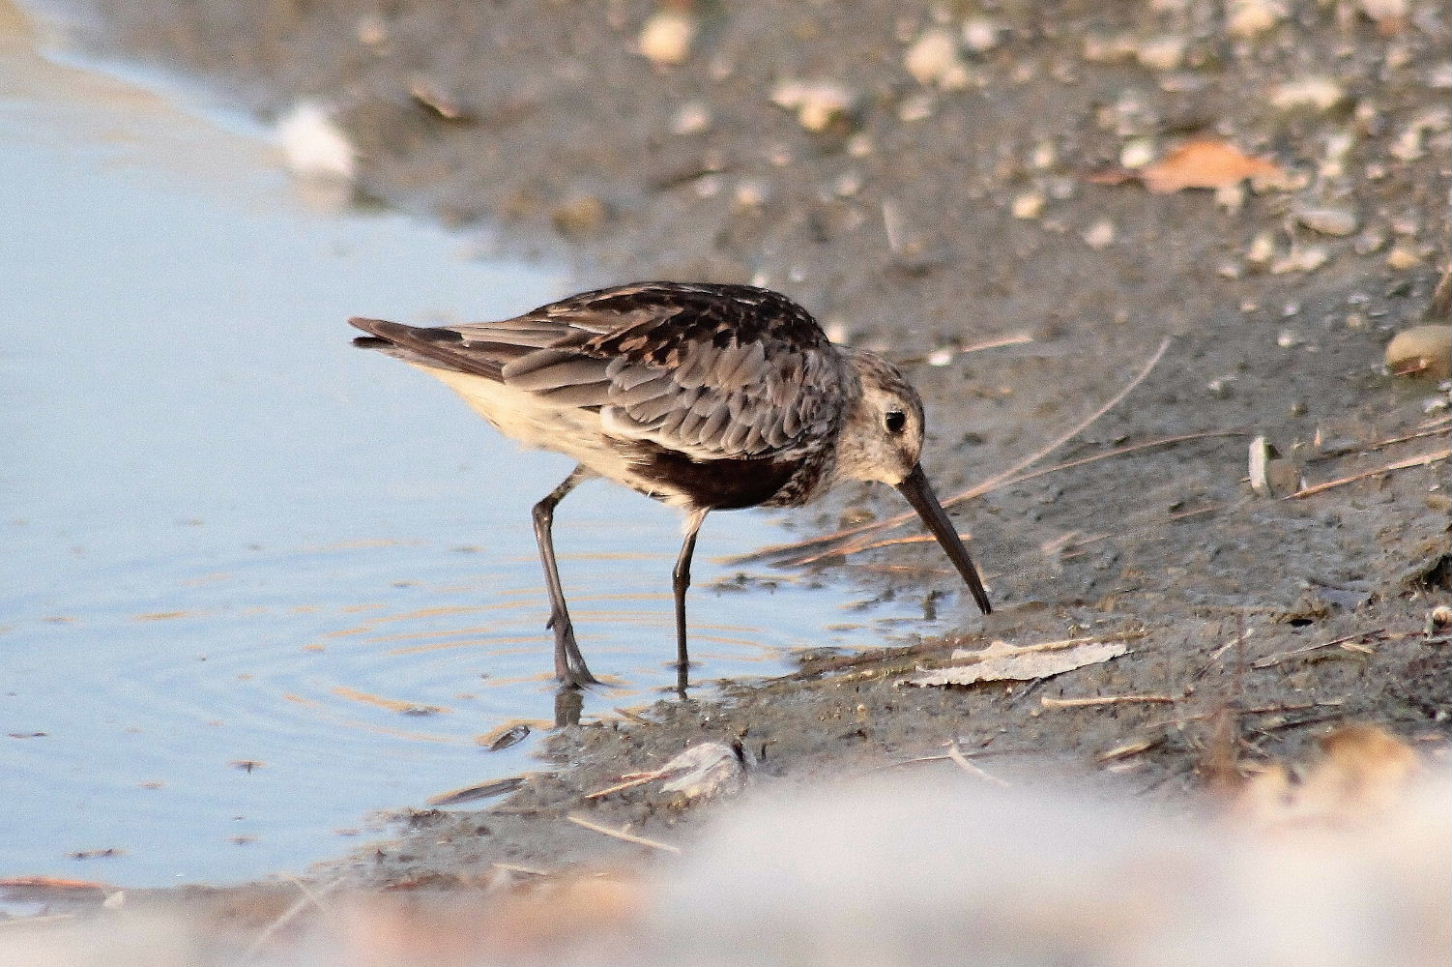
929, 216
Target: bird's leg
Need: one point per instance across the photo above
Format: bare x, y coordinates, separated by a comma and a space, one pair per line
680, 581
570, 667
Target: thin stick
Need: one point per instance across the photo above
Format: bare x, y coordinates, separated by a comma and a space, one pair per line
1268, 661
1090, 700
1015, 340
832, 541
1421, 460
621, 834
961, 761
1132, 747
1435, 429
628, 782
523, 870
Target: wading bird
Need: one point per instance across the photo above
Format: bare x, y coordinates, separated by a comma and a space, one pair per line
707, 397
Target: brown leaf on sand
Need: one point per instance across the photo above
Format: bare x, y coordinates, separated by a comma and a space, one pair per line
1207, 164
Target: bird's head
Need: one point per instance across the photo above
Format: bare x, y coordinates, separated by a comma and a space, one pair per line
882, 440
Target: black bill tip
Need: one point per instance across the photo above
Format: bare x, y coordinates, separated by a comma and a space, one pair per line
918, 493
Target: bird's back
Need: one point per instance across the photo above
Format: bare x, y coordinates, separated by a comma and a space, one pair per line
685, 383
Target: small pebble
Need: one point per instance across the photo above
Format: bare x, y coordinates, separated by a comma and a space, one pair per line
1402, 258
848, 183
1100, 235
919, 107
1161, 53
1028, 205
666, 38
693, 117
1250, 18
1137, 153
1369, 242
1337, 222
1304, 258
933, 57
981, 34
818, 103
1317, 93
1389, 14
1262, 249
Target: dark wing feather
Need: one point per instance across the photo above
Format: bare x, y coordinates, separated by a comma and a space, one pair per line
712, 371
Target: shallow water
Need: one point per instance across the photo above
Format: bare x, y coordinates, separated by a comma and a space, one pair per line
255, 583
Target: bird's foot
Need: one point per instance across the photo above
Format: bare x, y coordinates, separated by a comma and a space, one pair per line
570, 667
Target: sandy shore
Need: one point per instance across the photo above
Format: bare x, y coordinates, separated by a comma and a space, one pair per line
928, 179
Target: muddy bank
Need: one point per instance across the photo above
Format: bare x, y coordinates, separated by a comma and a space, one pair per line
940, 202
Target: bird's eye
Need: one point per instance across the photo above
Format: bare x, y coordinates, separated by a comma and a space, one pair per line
895, 421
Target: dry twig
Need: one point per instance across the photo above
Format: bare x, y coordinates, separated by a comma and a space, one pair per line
955, 754
1091, 700
1276, 659
1420, 460
622, 835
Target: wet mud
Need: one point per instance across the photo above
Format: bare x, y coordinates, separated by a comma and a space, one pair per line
932, 213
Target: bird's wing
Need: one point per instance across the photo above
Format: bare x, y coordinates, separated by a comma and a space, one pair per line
712, 371
706, 370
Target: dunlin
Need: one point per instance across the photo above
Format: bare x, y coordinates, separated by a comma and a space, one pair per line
707, 397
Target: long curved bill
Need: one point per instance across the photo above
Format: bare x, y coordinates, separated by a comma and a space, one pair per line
915, 488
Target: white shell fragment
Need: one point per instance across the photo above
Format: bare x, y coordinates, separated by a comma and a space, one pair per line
1272, 475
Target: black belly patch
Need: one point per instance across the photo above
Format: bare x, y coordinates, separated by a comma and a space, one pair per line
713, 484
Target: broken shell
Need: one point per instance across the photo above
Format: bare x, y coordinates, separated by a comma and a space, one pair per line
1421, 350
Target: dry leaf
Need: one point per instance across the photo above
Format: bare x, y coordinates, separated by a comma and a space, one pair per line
1001, 661
1206, 164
